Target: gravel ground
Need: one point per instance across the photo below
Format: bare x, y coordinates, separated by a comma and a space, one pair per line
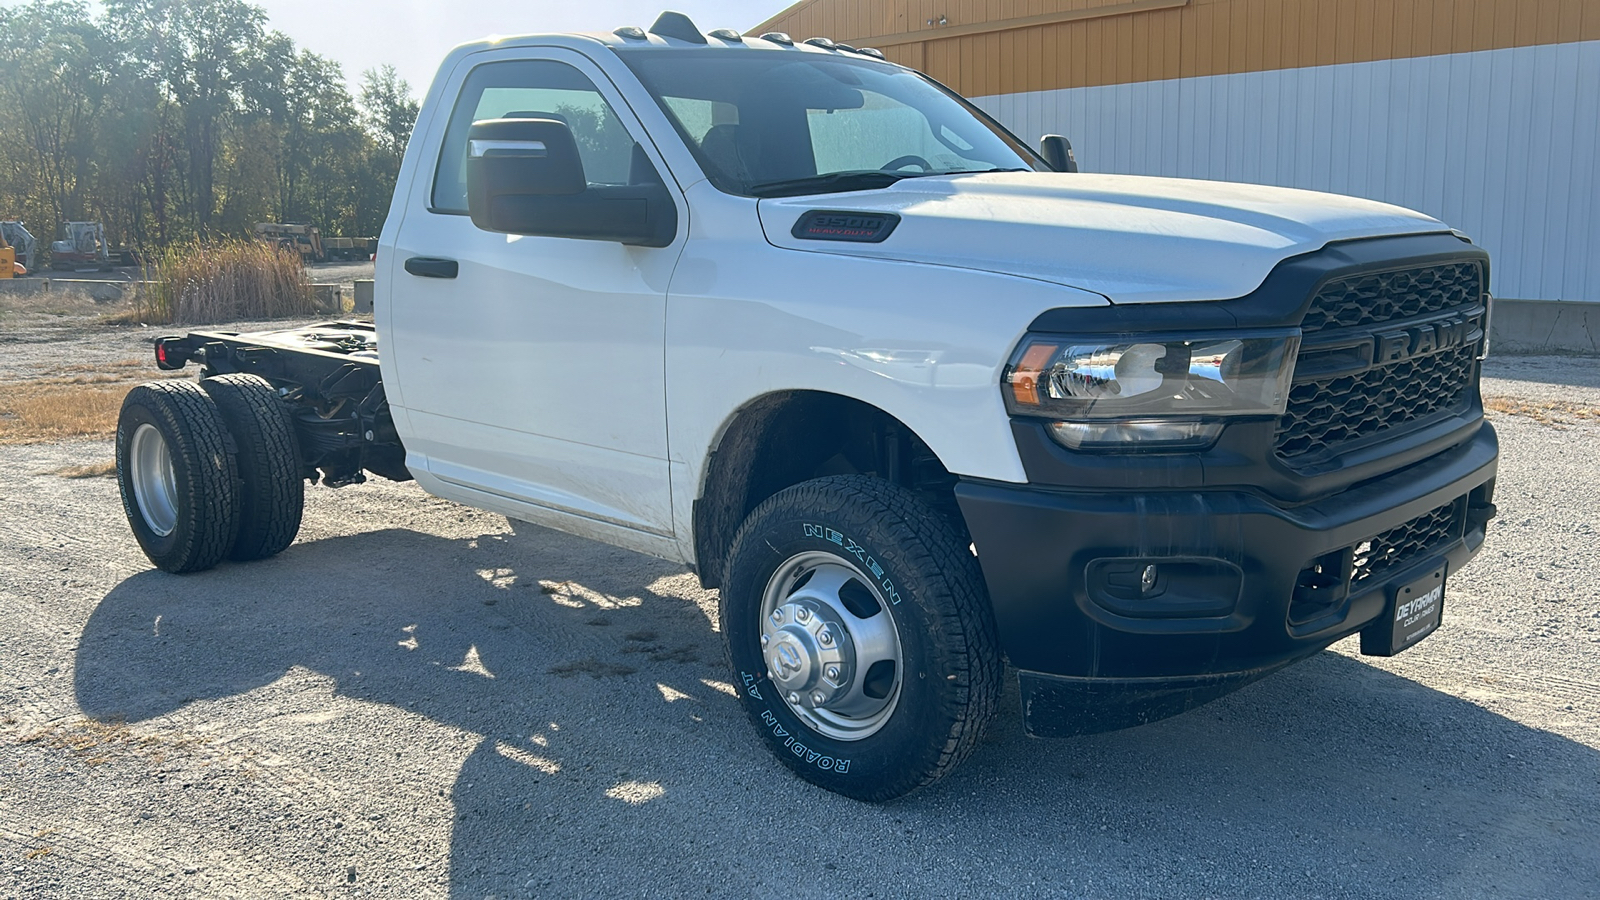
420, 700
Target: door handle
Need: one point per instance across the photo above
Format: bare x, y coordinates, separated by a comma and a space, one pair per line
432, 267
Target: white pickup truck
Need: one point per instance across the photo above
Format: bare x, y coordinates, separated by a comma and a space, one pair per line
917, 401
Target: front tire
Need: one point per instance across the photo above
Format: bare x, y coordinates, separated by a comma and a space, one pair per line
860, 636
178, 480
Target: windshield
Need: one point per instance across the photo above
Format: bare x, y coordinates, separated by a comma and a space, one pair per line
772, 124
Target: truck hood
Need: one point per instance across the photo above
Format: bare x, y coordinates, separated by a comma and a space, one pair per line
1130, 238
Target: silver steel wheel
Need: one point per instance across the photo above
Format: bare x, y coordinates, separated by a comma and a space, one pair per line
831, 646
155, 484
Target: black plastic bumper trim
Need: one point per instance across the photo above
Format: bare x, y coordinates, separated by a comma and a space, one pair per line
1035, 546
1055, 706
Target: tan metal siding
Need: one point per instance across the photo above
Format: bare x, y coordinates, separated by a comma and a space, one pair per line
1127, 41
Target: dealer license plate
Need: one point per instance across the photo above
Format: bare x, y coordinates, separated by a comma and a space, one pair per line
1414, 611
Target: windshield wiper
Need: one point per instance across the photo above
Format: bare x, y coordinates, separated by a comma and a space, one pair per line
964, 172
834, 182
863, 180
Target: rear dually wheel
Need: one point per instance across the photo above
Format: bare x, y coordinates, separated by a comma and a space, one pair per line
272, 489
176, 475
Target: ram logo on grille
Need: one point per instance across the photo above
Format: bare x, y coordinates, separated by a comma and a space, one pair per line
1404, 343
1417, 372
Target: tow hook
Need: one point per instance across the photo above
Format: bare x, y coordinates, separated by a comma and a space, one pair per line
1478, 515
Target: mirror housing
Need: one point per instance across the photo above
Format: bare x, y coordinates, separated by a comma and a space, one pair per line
1057, 151
525, 176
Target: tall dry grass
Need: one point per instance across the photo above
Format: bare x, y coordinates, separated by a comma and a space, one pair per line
80, 401
199, 283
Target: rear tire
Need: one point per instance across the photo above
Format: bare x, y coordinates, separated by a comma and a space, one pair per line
907, 692
272, 495
178, 480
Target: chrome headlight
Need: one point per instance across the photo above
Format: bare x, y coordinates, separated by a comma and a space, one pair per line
1150, 393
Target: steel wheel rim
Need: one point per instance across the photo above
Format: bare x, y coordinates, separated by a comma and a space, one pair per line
836, 669
155, 483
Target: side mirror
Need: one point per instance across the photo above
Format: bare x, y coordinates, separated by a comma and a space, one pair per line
525, 176
1057, 151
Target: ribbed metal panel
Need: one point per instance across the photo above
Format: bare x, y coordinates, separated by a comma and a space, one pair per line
1499, 143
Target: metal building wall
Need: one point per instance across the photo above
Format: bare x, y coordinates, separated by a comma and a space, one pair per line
1480, 112
1500, 144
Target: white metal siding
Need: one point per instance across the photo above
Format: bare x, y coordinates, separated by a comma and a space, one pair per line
1500, 144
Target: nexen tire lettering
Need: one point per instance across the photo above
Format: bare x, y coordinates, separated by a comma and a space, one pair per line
855, 549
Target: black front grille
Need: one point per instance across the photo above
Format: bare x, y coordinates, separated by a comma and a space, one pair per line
1406, 543
1322, 592
1323, 415
1326, 415
1386, 296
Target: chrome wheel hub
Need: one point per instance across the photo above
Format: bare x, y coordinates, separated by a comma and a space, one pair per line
831, 646
155, 484
808, 653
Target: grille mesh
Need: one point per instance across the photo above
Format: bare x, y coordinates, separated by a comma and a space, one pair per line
1325, 415
1386, 296
1405, 543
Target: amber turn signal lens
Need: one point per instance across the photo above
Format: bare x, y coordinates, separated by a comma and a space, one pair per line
1025, 376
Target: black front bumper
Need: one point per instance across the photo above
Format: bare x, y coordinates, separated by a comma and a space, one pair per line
1243, 585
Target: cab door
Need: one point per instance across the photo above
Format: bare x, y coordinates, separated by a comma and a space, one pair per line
531, 368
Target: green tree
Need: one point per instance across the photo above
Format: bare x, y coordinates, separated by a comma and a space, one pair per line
51, 90
170, 119
199, 52
389, 111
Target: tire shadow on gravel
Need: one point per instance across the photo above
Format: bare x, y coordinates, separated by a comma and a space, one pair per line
545, 647
610, 760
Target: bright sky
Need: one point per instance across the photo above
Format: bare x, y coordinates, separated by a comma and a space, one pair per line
414, 35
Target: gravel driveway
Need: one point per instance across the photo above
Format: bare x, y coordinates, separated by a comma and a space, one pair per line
422, 700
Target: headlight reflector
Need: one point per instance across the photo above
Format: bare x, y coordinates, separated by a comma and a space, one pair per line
1152, 392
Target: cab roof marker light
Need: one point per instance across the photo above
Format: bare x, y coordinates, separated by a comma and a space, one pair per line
728, 34
873, 52
778, 37
847, 48
632, 33
824, 43
677, 25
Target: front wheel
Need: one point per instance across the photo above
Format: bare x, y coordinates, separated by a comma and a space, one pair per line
860, 635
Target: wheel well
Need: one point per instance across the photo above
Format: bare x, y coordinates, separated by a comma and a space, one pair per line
784, 439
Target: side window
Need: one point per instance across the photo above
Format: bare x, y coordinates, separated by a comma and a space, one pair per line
533, 89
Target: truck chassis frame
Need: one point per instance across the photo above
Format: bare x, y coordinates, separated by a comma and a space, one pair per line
328, 374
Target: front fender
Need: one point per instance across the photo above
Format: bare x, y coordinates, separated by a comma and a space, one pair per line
924, 343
